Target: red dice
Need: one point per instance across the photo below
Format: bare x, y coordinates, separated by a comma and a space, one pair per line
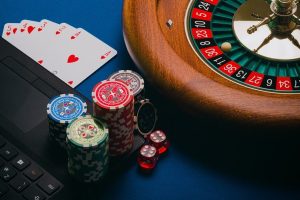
159, 140
148, 157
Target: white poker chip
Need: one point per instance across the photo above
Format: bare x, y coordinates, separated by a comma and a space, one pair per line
131, 78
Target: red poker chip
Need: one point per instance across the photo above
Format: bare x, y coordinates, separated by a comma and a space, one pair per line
114, 103
122, 138
122, 122
120, 134
121, 141
119, 137
112, 117
112, 95
98, 109
116, 134
121, 131
126, 124
120, 147
120, 150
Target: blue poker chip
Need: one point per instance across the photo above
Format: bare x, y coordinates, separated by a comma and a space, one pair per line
65, 108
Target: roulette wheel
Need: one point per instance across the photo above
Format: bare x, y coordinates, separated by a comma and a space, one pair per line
239, 59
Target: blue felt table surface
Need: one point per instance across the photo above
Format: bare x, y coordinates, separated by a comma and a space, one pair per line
201, 164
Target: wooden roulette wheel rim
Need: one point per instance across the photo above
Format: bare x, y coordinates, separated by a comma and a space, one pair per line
165, 56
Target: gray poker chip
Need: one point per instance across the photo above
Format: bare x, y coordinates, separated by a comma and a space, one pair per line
133, 79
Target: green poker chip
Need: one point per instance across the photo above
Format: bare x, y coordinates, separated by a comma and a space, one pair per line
86, 131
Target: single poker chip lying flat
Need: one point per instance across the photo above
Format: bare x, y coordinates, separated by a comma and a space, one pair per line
131, 78
65, 108
86, 131
112, 95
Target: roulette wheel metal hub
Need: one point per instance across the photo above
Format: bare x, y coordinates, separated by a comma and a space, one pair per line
276, 36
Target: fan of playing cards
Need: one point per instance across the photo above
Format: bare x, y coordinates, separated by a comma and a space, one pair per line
72, 54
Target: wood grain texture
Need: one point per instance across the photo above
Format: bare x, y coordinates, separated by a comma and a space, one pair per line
167, 60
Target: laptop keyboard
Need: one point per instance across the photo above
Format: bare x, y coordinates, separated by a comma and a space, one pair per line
21, 178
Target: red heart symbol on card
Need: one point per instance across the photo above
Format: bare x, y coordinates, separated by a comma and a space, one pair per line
40, 62
70, 82
73, 37
72, 58
57, 33
105, 55
30, 29
15, 30
22, 30
40, 29
7, 33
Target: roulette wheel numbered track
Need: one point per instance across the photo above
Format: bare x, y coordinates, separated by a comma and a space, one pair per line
166, 57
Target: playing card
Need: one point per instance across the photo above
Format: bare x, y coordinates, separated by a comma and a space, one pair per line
20, 39
50, 44
36, 38
10, 31
34, 44
77, 55
71, 54
64, 27
28, 26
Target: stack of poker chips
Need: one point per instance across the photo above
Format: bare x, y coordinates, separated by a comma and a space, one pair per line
87, 148
61, 111
145, 119
145, 114
113, 101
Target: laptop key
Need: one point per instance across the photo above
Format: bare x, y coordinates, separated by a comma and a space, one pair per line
33, 193
7, 172
19, 183
3, 188
48, 184
33, 172
20, 162
8, 152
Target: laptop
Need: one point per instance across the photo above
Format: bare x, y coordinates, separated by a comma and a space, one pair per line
30, 166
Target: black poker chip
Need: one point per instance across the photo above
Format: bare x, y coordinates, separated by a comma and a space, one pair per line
145, 117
